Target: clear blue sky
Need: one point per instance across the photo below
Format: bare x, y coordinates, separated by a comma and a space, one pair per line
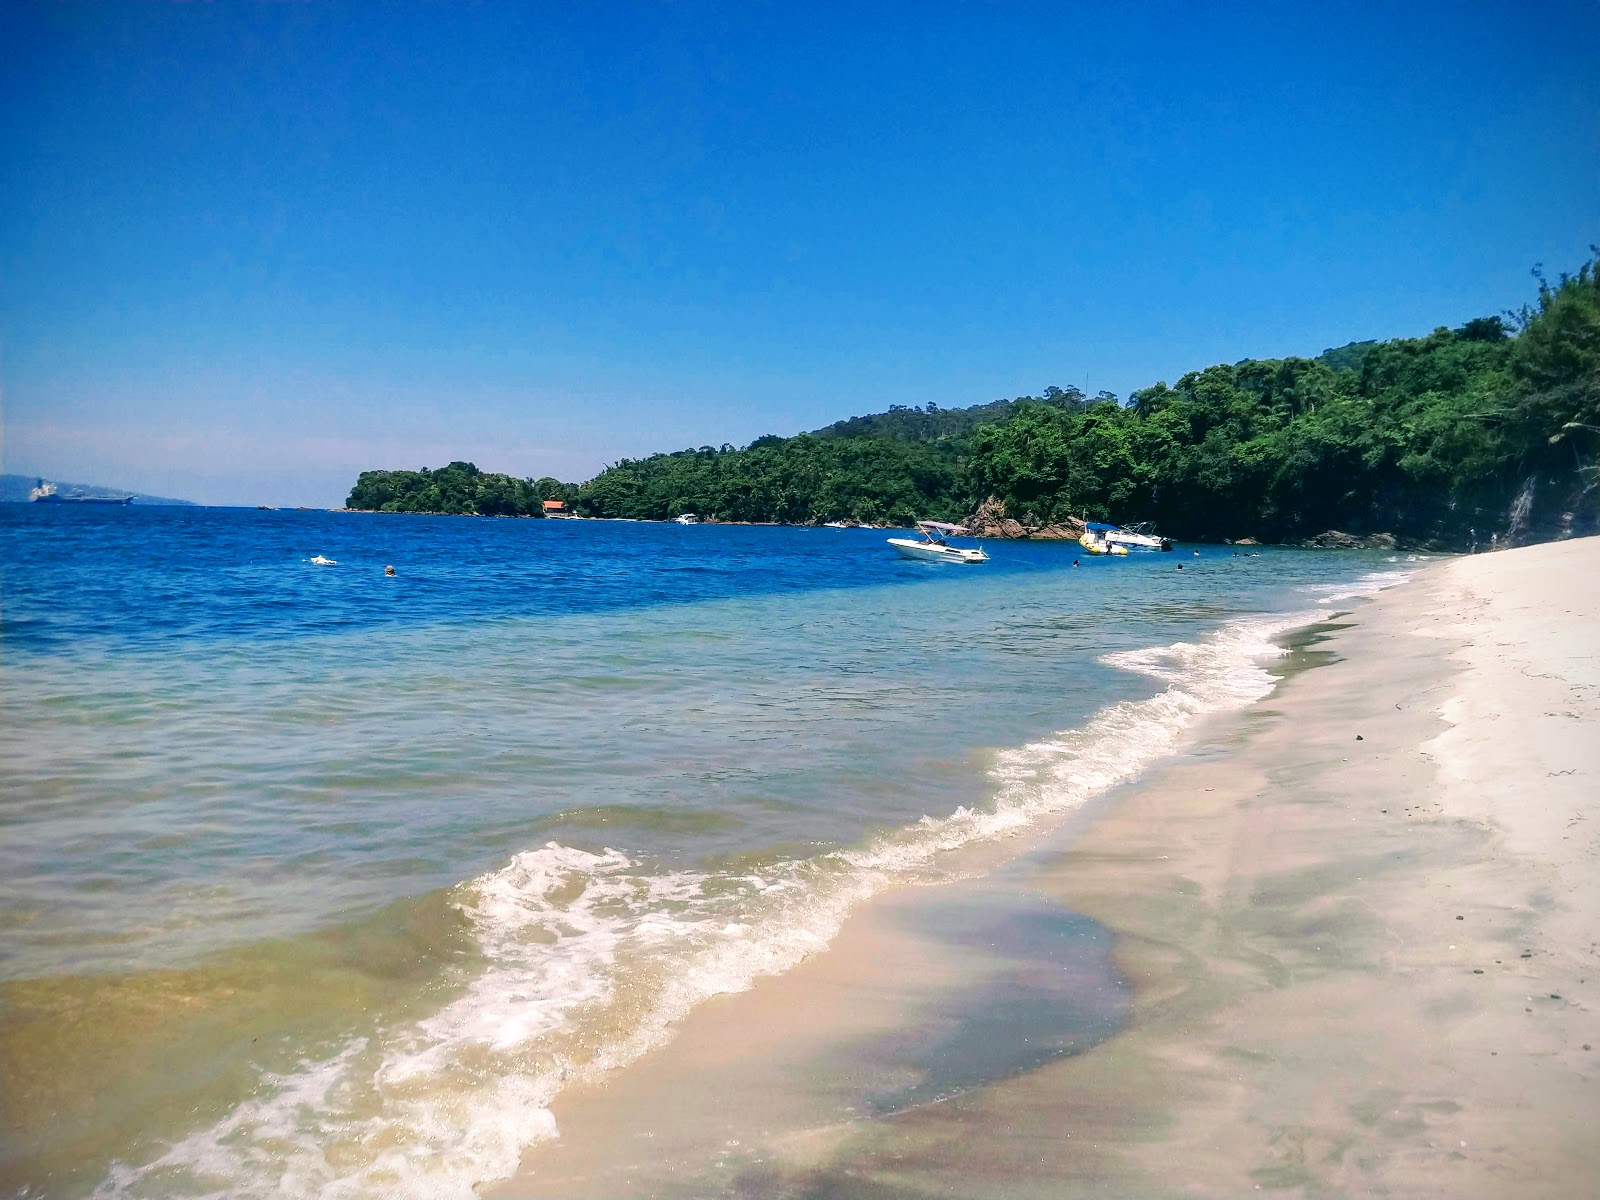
248, 250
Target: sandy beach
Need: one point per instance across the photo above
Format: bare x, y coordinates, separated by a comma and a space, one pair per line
1347, 945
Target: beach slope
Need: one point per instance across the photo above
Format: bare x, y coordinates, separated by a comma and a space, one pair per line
1360, 926
1364, 945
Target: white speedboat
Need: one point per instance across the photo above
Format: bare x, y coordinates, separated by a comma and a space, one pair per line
932, 547
835, 525
686, 519
1136, 537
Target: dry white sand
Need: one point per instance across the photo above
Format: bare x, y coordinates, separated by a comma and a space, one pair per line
1364, 946
1370, 967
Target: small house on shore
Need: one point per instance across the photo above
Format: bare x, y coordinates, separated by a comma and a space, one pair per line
557, 508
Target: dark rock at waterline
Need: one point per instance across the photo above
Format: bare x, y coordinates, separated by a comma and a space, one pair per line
991, 521
1333, 539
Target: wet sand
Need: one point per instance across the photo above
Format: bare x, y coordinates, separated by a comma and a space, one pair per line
1352, 942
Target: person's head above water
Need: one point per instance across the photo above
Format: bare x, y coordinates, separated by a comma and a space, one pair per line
388, 570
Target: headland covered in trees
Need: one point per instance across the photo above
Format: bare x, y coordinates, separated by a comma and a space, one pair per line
1492, 428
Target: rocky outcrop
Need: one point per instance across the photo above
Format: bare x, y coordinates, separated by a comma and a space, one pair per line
1335, 540
991, 521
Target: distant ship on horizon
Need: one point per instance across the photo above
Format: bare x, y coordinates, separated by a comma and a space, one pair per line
46, 493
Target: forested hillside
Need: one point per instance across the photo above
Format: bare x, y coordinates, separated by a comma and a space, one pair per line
459, 489
1493, 427
930, 422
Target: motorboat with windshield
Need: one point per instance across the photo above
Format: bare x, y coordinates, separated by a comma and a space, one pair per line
1137, 537
933, 548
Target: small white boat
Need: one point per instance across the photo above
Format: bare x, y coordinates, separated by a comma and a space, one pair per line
932, 547
324, 562
1136, 537
686, 519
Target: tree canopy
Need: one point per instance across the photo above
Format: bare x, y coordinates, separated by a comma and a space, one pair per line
1490, 427
459, 489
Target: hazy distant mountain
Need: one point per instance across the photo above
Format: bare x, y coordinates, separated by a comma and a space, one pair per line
16, 488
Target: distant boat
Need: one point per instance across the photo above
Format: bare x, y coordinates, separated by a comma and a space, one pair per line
932, 547
686, 519
46, 493
836, 525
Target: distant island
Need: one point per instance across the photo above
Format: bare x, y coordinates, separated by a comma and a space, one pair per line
15, 489
1488, 431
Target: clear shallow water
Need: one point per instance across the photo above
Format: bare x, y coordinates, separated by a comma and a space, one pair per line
386, 863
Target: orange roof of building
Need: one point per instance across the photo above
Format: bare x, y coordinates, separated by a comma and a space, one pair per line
555, 503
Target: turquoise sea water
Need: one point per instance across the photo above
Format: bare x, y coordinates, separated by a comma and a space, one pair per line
319, 883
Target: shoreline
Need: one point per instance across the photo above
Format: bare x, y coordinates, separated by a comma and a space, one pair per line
1331, 539
1327, 540
1362, 944
1308, 1014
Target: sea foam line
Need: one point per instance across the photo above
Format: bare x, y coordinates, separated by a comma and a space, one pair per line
593, 958
1367, 585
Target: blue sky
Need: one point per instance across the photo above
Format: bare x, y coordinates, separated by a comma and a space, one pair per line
248, 251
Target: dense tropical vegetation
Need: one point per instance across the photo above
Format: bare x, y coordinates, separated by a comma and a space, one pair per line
1493, 427
459, 489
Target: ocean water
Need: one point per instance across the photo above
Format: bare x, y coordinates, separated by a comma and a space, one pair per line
319, 883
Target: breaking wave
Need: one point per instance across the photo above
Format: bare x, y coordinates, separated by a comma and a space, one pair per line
589, 959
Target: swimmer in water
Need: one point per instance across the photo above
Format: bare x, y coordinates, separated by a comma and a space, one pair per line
389, 571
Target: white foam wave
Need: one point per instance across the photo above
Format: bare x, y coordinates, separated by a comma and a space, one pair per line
1367, 585
592, 958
